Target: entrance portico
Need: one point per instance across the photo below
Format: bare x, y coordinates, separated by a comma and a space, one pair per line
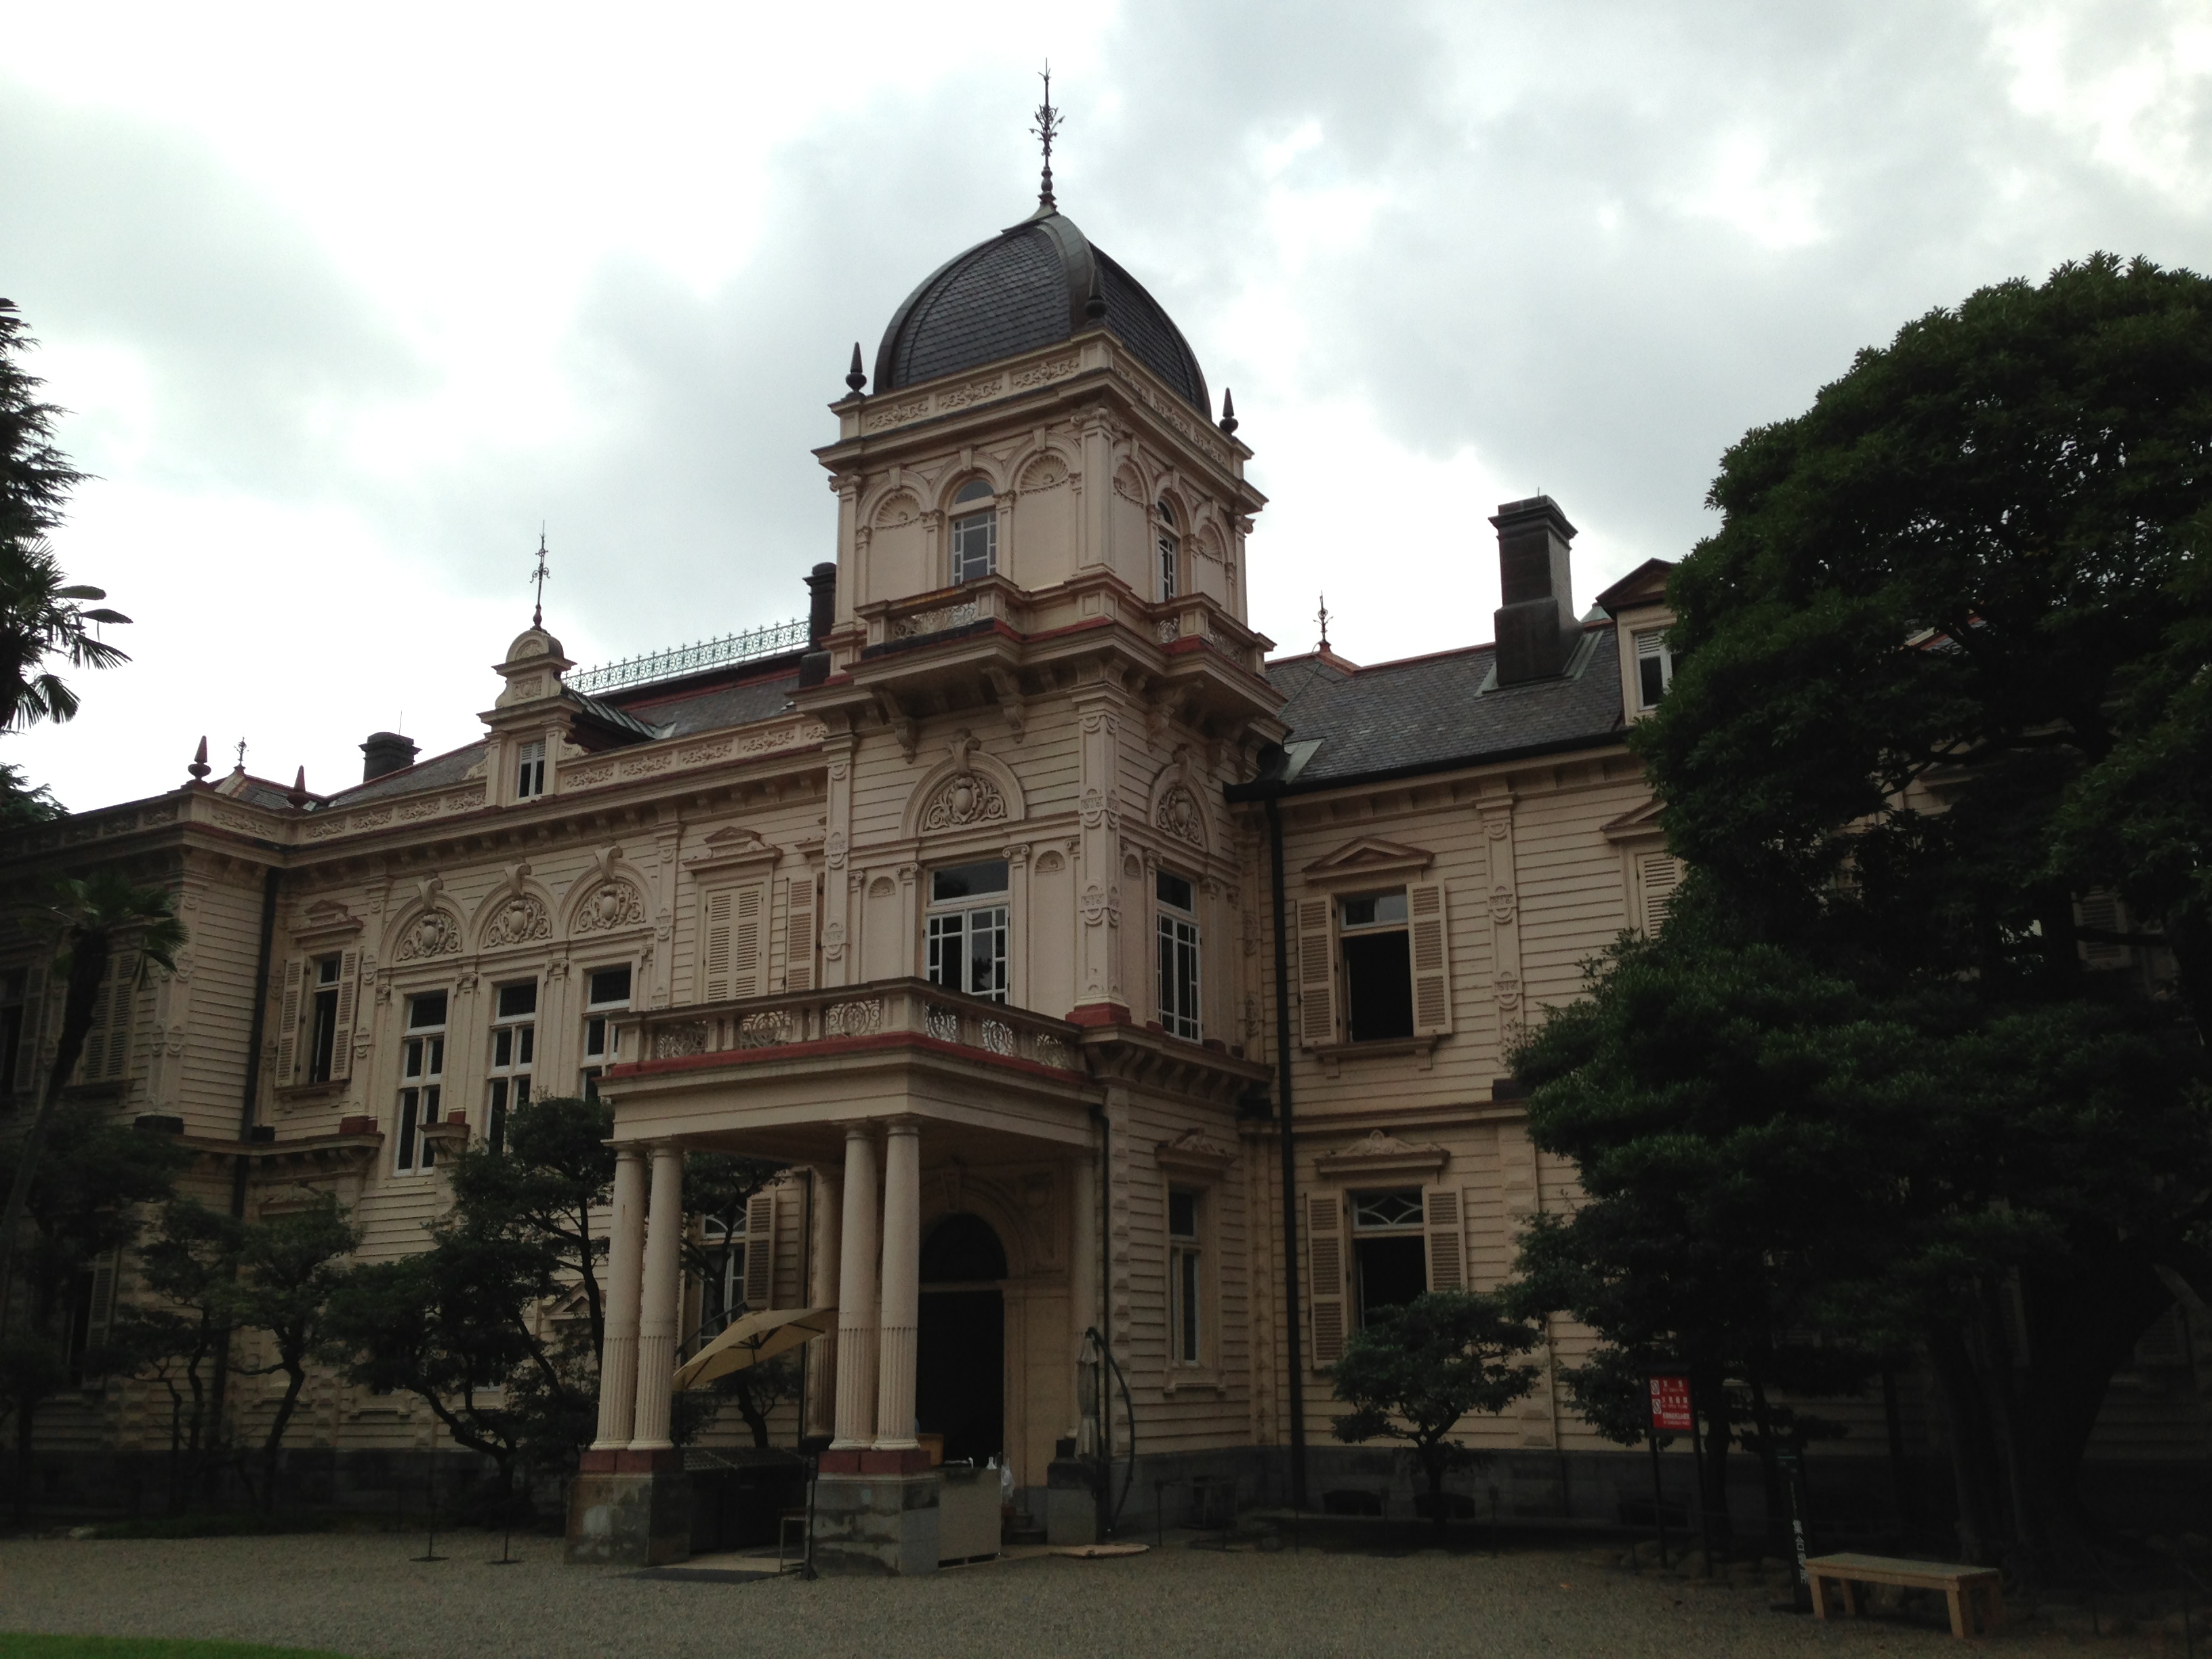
876, 1083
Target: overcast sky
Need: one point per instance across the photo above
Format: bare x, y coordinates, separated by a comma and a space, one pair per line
346, 301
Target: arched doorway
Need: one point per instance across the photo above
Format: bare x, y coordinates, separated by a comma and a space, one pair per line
960, 1359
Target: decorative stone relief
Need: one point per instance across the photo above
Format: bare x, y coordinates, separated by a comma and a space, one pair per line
1044, 374
674, 1041
942, 1024
1094, 906
434, 933
998, 1036
613, 904
833, 849
1502, 904
965, 798
1179, 815
1051, 1051
520, 920
936, 620
764, 1030
861, 1019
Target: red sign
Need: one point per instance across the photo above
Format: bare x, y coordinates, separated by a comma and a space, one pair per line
1670, 1405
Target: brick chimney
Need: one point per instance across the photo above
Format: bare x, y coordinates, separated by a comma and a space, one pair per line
1536, 624
385, 752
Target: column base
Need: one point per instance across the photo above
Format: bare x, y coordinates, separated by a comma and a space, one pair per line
875, 1525
629, 1518
1071, 1504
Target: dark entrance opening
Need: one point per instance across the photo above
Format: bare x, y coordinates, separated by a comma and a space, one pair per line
960, 1358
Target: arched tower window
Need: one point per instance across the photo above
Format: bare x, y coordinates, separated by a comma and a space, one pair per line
1170, 546
975, 532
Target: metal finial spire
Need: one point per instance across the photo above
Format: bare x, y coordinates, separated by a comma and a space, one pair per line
198, 769
1047, 127
1228, 413
1321, 616
241, 753
857, 376
538, 576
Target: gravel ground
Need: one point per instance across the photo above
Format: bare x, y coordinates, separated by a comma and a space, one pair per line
362, 1596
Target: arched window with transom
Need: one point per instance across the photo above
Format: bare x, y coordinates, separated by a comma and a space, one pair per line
975, 531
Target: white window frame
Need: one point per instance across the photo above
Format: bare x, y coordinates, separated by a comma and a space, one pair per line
602, 1043
972, 540
422, 1087
731, 1235
530, 770
512, 1058
1651, 647
1401, 925
965, 920
1369, 1220
1181, 989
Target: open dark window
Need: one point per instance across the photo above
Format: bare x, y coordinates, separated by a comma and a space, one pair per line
1389, 1250
323, 1034
1378, 971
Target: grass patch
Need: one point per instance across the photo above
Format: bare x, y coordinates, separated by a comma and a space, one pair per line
136, 1646
219, 1523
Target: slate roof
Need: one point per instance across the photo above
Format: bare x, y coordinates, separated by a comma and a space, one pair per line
1425, 713
676, 713
1025, 288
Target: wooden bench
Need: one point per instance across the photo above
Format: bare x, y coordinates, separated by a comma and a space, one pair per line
1961, 1586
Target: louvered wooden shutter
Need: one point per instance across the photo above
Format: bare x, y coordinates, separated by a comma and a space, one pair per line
1431, 950
1316, 972
1658, 874
714, 951
799, 948
32, 1043
760, 1252
107, 1044
288, 1024
99, 1317
341, 1038
1440, 1215
1325, 1272
2101, 911
748, 943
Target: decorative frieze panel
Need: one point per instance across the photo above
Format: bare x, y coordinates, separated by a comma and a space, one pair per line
944, 617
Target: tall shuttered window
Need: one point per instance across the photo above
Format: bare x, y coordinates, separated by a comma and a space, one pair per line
733, 942
606, 993
513, 1055
974, 531
1186, 1279
1654, 667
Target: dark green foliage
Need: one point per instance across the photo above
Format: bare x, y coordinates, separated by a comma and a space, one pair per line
290, 1265
183, 1340
1867, 1099
1412, 1372
93, 1179
41, 613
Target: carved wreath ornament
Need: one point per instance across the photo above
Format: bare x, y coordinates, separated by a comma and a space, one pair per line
433, 934
967, 798
615, 904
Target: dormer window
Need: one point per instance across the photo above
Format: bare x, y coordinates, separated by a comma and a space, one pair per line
1654, 667
1170, 545
974, 533
530, 771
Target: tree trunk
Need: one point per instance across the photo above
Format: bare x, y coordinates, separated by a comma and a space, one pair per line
88, 967
1973, 1456
1434, 1460
25, 1411
272, 1448
1709, 1392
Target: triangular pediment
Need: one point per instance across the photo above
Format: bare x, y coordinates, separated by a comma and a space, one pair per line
1369, 855
1646, 585
733, 844
1642, 825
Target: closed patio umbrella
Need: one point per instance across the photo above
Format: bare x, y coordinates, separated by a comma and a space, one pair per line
756, 1337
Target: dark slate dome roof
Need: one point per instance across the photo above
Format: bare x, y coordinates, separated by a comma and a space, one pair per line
1030, 286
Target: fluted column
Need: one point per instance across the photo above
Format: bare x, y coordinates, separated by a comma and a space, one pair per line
856, 1296
656, 1324
625, 1263
901, 1294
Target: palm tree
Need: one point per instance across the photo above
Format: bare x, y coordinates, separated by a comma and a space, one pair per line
90, 917
41, 613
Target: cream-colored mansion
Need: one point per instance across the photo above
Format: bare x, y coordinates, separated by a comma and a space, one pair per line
1019, 902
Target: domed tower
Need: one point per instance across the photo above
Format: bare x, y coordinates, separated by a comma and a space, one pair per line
1040, 595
